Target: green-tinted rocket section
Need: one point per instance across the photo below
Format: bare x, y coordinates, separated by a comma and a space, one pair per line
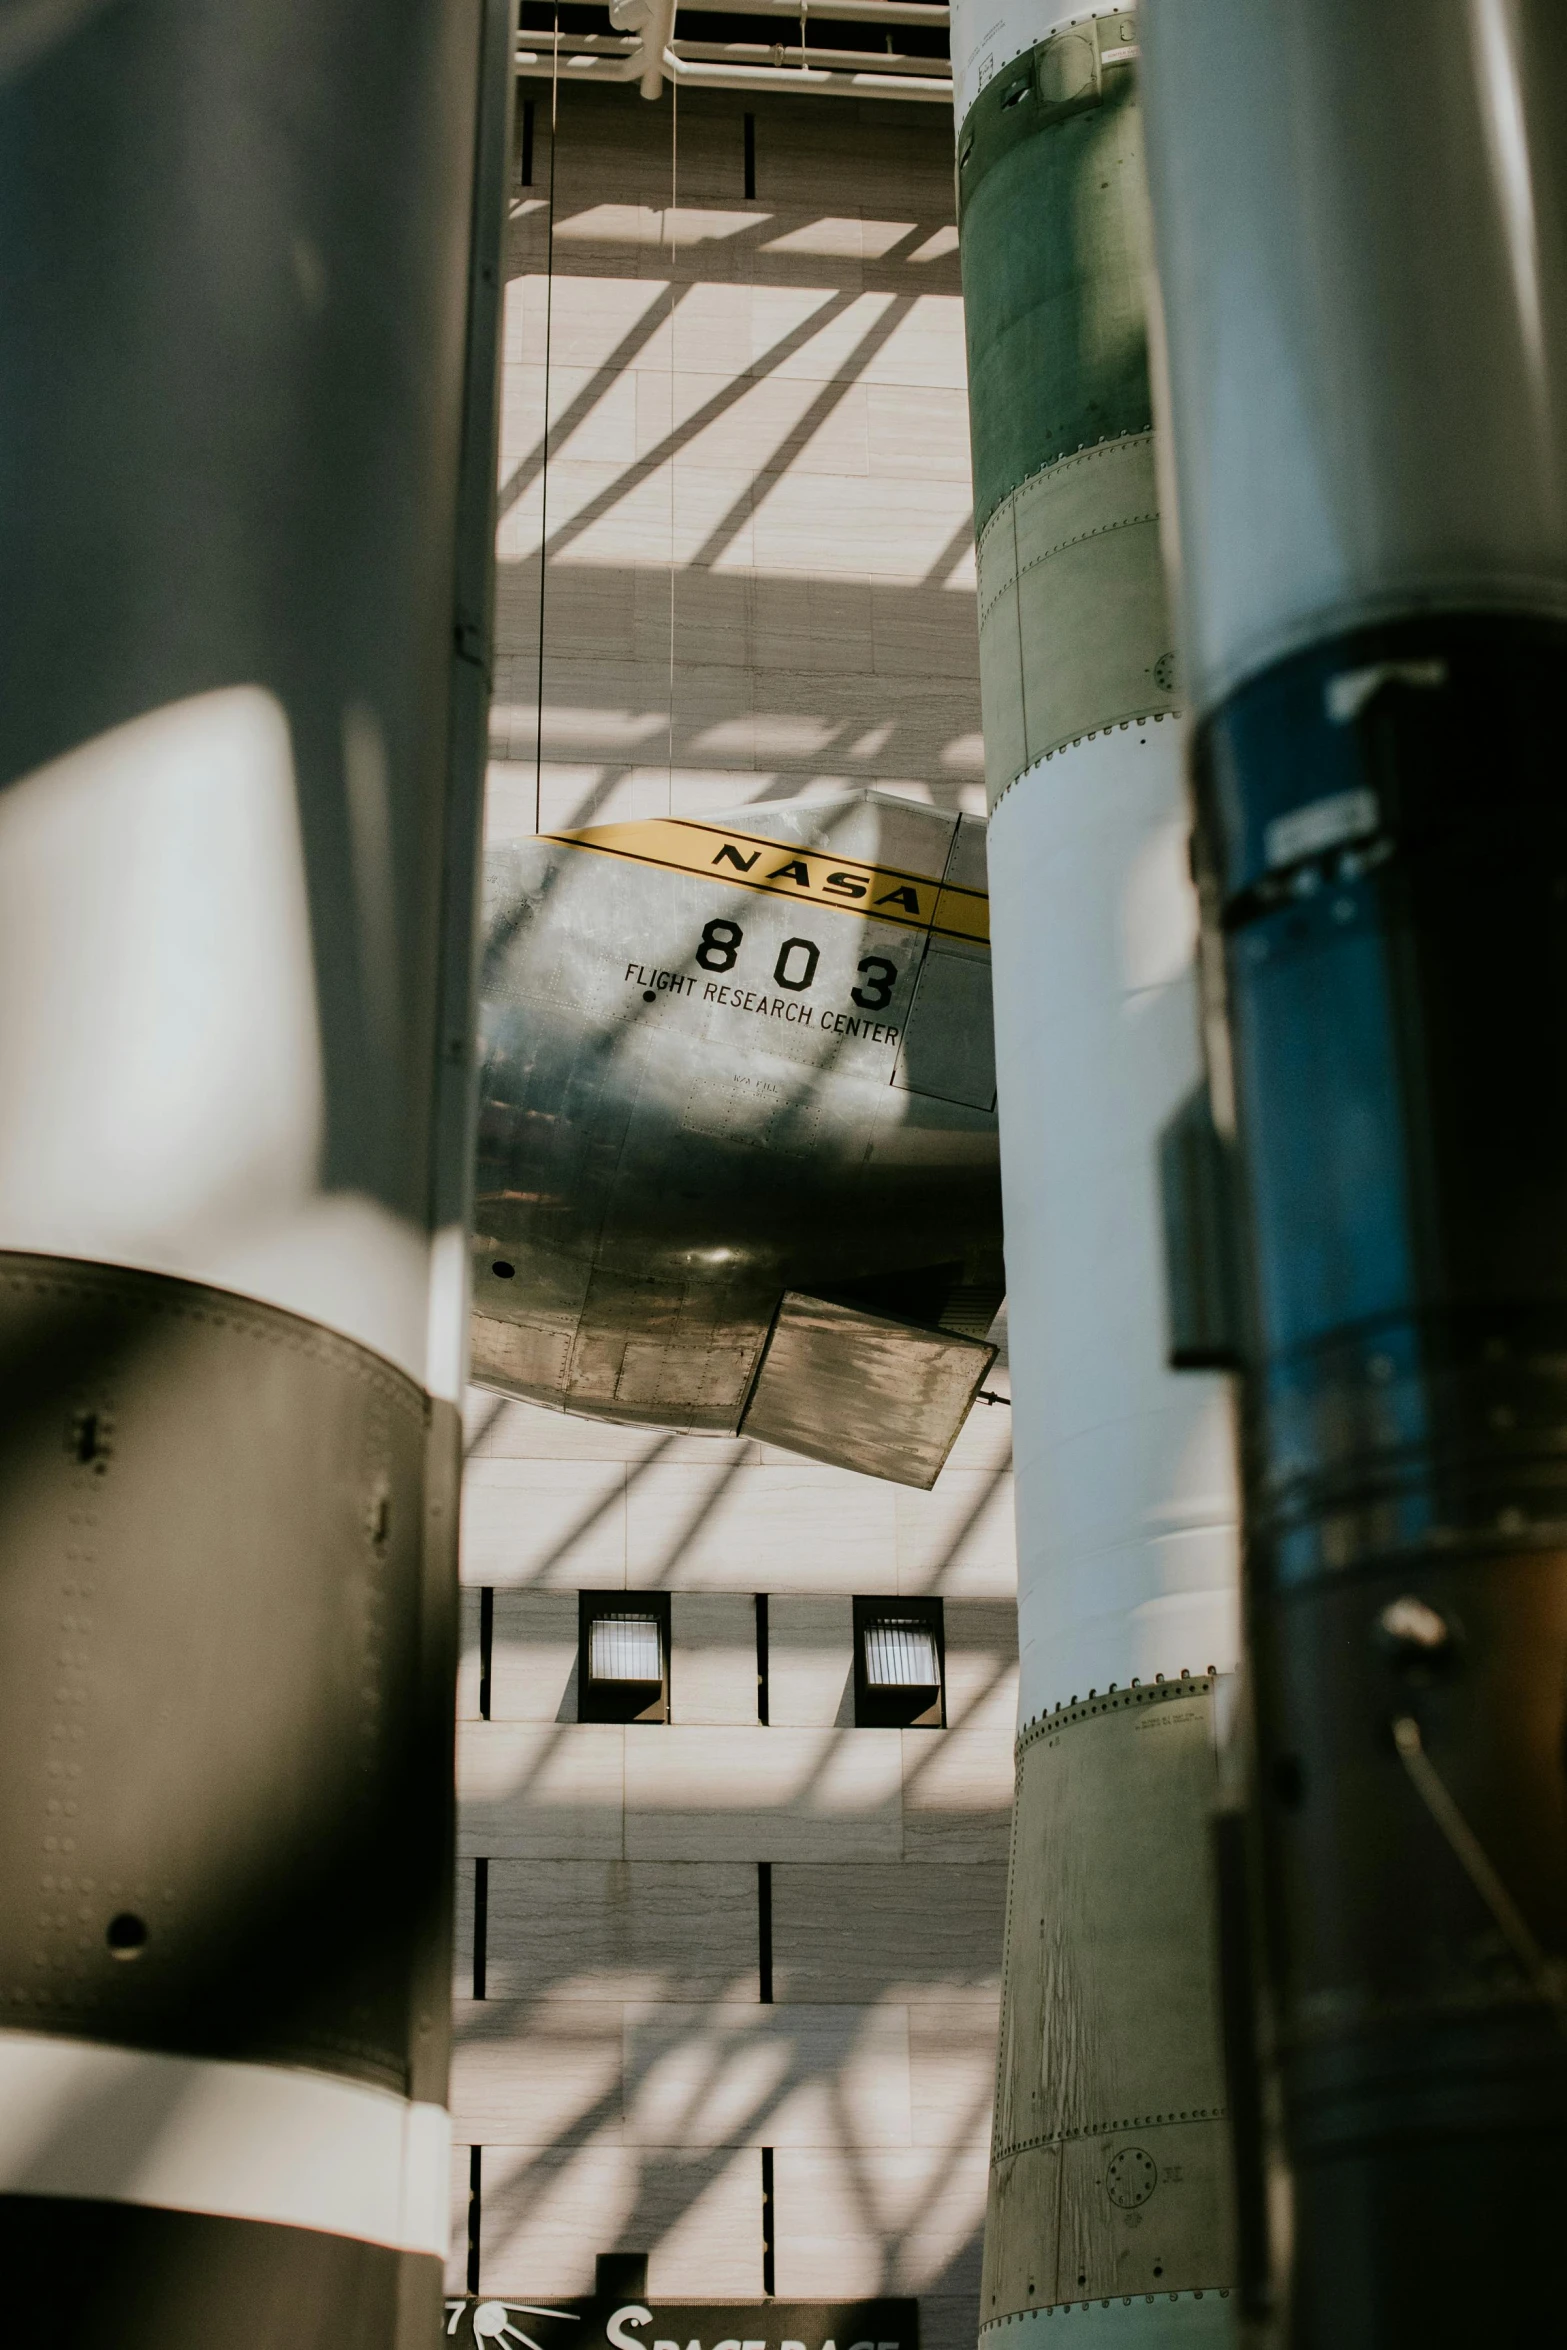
1074, 630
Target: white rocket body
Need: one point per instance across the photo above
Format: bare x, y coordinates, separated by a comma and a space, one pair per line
1109, 2194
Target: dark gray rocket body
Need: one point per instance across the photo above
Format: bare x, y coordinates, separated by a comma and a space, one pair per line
247, 337
1362, 233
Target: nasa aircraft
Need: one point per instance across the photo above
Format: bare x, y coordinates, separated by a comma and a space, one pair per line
737, 1161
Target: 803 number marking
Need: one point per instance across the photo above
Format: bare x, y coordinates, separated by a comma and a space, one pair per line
795, 968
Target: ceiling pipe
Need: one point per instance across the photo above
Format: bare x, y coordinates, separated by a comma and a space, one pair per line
790, 54
656, 37
602, 65
624, 47
835, 11
826, 82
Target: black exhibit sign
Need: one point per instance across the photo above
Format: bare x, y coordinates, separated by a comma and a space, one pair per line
597, 2323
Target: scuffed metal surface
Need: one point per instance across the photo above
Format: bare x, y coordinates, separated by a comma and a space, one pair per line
1111, 1892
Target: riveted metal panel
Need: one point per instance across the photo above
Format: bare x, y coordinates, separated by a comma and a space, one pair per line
1075, 633
1199, 2320
1055, 253
1110, 2148
948, 1049
226, 1824
864, 1392
1001, 696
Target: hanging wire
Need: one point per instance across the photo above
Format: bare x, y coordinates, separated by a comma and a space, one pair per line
544, 473
674, 203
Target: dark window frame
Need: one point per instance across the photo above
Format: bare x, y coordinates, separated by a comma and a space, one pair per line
621, 1701
908, 1708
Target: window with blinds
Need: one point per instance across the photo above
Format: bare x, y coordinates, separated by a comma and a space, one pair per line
625, 1648
622, 1657
899, 1664
901, 1656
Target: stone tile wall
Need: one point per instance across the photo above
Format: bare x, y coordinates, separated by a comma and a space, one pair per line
758, 583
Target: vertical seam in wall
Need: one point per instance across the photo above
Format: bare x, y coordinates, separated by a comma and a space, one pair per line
763, 1663
769, 2227
475, 2213
764, 1932
486, 1649
481, 1927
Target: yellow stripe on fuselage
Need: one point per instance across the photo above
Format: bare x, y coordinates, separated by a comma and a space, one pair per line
745, 860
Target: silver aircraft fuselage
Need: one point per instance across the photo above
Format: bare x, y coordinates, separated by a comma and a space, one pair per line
722, 1060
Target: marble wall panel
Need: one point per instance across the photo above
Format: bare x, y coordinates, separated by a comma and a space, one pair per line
812, 627
958, 1540
919, 429
767, 2076
468, 1656
714, 712
547, 2210
704, 2212
810, 1661
981, 1637
957, 1794
923, 631
510, 801
462, 1929
616, 1930
713, 1657
541, 1790
559, 1524
711, 331
713, 615
591, 415
589, 611
533, 1657
593, 316
952, 2073
608, 708
551, 2072
498, 1428
772, 423
892, 530
773, 1794
457, 2252
919, 1934
766, 1529
878, 2220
